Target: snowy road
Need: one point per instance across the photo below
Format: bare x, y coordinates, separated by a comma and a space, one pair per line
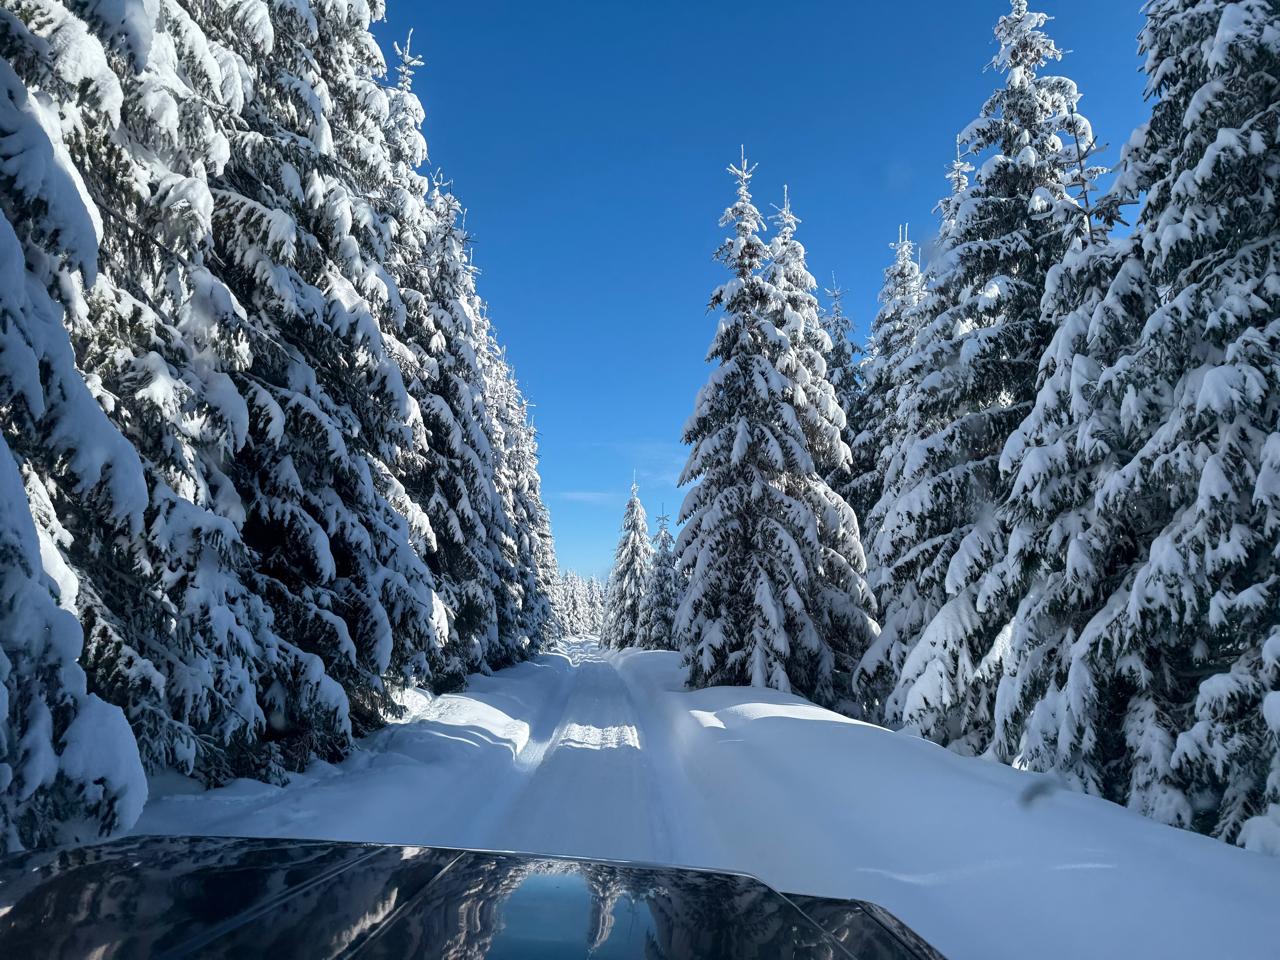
604, 754
548, 757
582, 782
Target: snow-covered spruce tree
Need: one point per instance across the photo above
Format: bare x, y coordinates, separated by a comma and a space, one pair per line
458, 489
520, 492
253, 189
520, 537
663, 590
475, 480
1055, 707
759, 520
1207, 375
1054, 566
1013, 223
571, 604
435, 466
587, 622
1168, 702
625, 592
1058, 706
174, 632
840, 577
874, 422
69, 767
788, 274
895, 569
304, 216
567, 604
494, 413
596, 591
845, 374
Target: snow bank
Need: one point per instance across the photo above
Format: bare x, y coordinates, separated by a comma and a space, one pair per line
982, 860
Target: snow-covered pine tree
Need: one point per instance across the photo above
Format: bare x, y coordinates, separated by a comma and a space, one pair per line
1094, 301
580, 606
595, 594
477, 481
1013, 223
457, 485
520, 531
663, 590
520, 492
304, 216
1056, 706
1210, 449
1055, 709
172, 632
574, 601
764, 590
69, 766
447, 473
493, 557
875, 423
627, 580
567, 602
570, 604
1168, 697
895, 569
267, 279
840, 577
787, 272
845, 374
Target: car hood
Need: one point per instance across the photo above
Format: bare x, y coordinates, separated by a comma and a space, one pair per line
219, 896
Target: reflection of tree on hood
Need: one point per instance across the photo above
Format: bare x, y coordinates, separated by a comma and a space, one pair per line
464, 912
607, 885
188, 886
713, 916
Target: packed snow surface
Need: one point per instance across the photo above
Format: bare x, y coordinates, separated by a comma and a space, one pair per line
604, 754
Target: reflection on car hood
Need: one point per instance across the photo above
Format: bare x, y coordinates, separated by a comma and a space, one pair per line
224, 897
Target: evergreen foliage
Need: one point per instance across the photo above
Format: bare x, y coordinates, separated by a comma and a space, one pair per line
877, 401
625, 592
663, 590
69, 766
775, 595
271, 453
1075, 545
579, 605
979, 353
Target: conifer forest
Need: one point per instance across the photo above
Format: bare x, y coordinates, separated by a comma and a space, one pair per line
271, 497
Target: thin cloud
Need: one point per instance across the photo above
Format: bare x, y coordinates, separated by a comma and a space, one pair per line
656, 462
598, 497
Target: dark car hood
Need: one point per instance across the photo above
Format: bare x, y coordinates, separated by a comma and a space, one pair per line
215, 897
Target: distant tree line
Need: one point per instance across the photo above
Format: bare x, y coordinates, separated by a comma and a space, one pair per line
579, 605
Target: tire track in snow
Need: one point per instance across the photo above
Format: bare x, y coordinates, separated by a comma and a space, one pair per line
484, 824
589, 789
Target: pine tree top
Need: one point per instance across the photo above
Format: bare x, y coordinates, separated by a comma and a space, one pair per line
903, 282
744, 252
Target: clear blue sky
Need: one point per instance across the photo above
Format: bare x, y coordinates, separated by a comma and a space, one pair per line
588, 141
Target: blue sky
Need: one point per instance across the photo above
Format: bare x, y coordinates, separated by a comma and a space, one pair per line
589, 140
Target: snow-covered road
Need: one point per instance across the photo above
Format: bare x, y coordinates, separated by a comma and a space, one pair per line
546, 757
583, 781
601, 754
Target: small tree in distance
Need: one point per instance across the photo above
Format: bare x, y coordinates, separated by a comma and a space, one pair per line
627, 581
